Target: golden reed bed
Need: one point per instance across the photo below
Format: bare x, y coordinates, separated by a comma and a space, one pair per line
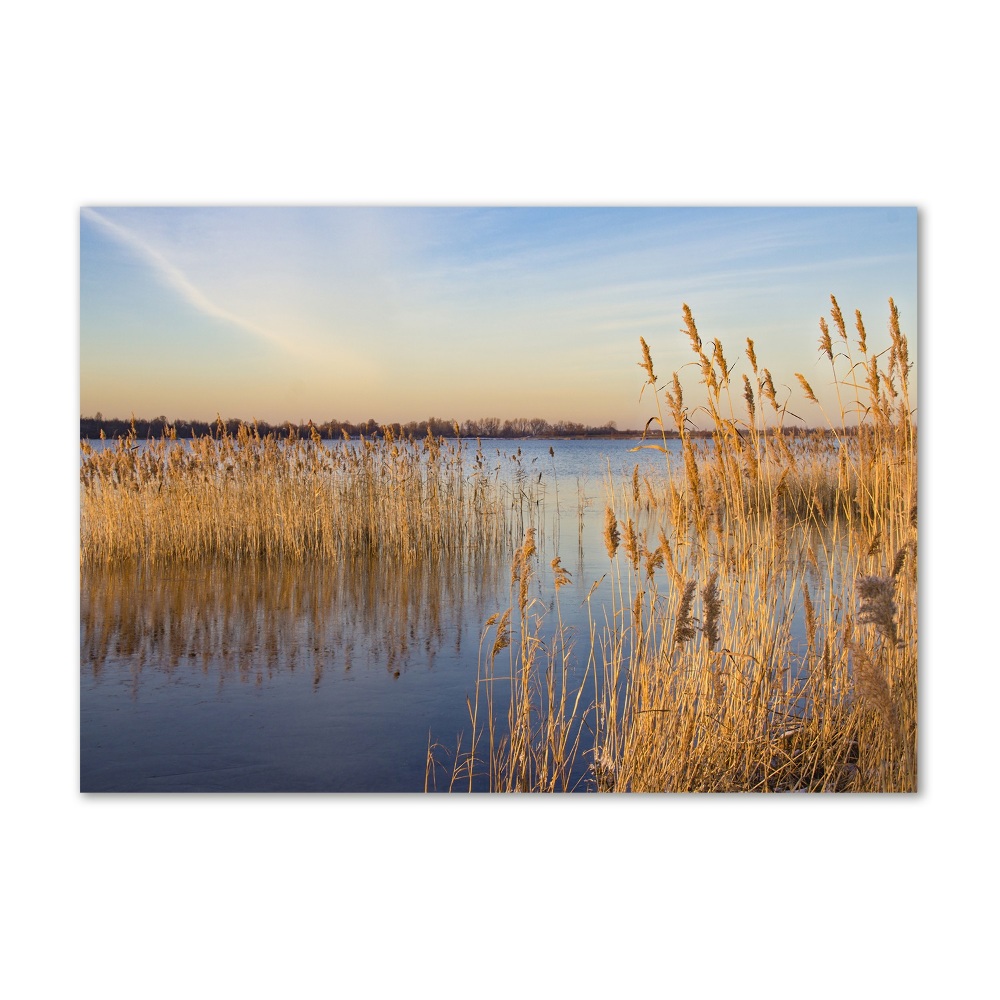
756, 629
246, 497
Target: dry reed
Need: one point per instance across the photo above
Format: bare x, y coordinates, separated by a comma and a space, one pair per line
779, 653
246, 497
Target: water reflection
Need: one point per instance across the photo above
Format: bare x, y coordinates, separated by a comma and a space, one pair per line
254, 620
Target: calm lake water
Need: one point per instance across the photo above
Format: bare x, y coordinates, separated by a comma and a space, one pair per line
320, 677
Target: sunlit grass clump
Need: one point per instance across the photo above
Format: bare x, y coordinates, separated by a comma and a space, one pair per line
758, 630
245, 497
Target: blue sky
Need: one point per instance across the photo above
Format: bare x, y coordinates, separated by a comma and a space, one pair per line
403, 313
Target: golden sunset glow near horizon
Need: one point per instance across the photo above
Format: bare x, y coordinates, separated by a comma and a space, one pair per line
403, 313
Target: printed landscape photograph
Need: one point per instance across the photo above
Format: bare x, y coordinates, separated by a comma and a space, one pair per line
441, 499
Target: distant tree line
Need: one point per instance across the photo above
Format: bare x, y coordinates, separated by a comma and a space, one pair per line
485, 427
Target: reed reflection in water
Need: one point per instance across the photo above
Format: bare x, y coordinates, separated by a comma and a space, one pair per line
319, 676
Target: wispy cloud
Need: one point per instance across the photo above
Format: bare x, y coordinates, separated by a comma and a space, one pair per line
177, 280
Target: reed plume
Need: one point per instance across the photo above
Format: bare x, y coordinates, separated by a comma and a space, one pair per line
825, 344
878, 605
647, 362
712, 607
806, 388
684, 628
612, 538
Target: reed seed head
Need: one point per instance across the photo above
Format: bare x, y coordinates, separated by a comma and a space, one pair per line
838, 318
502, 640
654, 560
806, 388
712, 606
748, 396
684, 625
878, 606
631, 542
561, 576
898, 560
894, 321
691, 329
708, 373
675, 400
612, 538
647, 361
520, 570
810, 615
872, 686
862, 337
720, 359
767, 390
825, 344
